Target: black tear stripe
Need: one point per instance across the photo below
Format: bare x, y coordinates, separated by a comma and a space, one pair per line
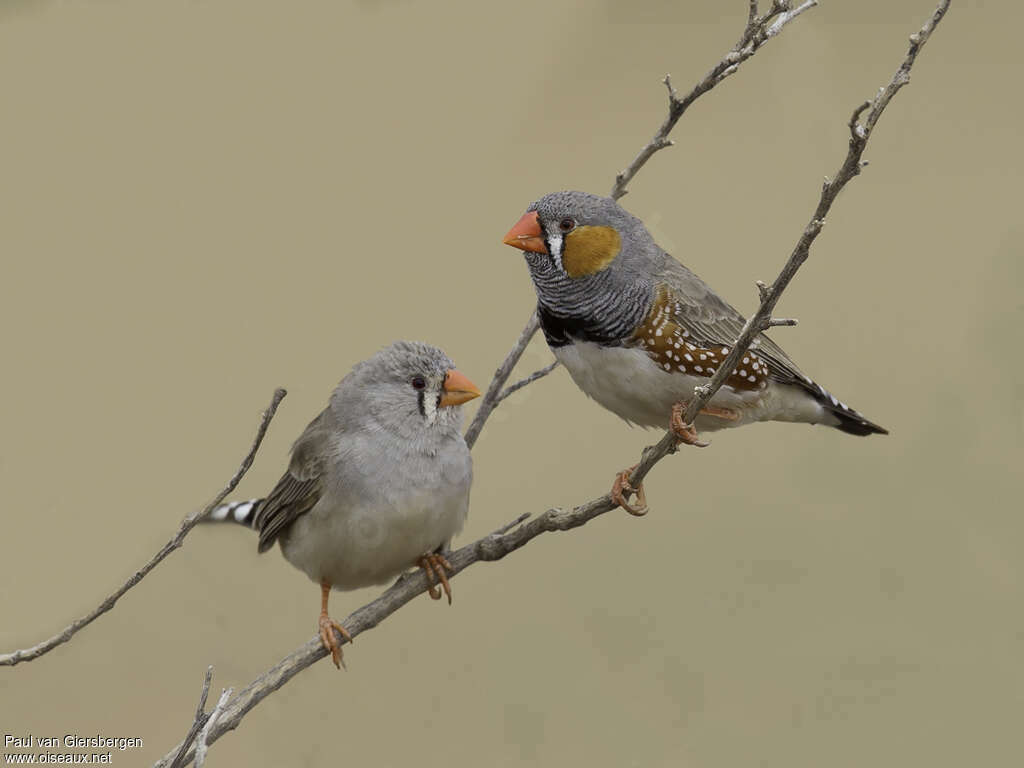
419, 402
437, 405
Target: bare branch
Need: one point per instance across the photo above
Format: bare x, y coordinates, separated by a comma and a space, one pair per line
28, 654
758, 31
494, 546
860, 132
203, 743
528, 380
494, 394
197, 723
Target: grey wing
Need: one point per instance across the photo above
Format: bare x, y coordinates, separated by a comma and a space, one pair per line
713, 322
299, 489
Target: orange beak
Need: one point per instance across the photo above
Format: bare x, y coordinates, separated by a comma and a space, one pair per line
457, 389
527, 235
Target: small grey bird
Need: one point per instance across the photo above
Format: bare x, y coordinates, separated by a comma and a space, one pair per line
637, 330
378, 482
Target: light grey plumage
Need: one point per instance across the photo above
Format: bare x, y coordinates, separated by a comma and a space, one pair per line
637, 330
380, 478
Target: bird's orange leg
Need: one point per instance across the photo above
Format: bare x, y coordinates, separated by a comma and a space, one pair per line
327, 625
686, 432
434, 565
622, 486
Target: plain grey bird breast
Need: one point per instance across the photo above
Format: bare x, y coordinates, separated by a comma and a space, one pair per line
405, 499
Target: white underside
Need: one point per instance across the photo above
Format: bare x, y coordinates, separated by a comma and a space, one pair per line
630, 384
360, 537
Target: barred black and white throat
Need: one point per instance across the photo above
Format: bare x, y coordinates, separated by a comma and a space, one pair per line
637, 330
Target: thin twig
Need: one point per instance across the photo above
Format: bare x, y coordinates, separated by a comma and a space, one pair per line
512, 524
28, 654
759, 30
493, 396
197, 723
202, 744
528, 380
860, 132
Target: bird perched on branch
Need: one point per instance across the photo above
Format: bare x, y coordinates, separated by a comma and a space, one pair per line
638, 331
378, 482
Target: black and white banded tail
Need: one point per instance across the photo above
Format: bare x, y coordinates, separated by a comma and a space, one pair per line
850, 421
241, 512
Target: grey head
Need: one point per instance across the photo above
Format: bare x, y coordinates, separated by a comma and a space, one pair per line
409, 389
591, 263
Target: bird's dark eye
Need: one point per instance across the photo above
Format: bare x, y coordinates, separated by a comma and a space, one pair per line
418, 382
567, 224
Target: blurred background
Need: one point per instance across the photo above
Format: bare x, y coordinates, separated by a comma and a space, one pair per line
204, 200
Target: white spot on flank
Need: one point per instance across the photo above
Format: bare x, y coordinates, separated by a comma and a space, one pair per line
703, 357
725, 350
668, 366
751, 378
743, 371
697, 368
746, 360
658, 332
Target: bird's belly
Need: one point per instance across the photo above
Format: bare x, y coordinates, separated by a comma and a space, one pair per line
627, 382
352, 546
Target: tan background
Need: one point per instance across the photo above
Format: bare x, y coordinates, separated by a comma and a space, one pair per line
203, 200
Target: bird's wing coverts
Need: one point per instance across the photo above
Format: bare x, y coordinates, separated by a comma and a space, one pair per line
712, 322
299, 489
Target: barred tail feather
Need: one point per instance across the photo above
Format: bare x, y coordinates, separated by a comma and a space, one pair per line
850, 421
241, 512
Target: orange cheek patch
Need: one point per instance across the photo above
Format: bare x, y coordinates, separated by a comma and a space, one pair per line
588, 250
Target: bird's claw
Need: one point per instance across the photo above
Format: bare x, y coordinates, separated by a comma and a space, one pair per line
327, 625
435, 566
622, 486
685, 433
